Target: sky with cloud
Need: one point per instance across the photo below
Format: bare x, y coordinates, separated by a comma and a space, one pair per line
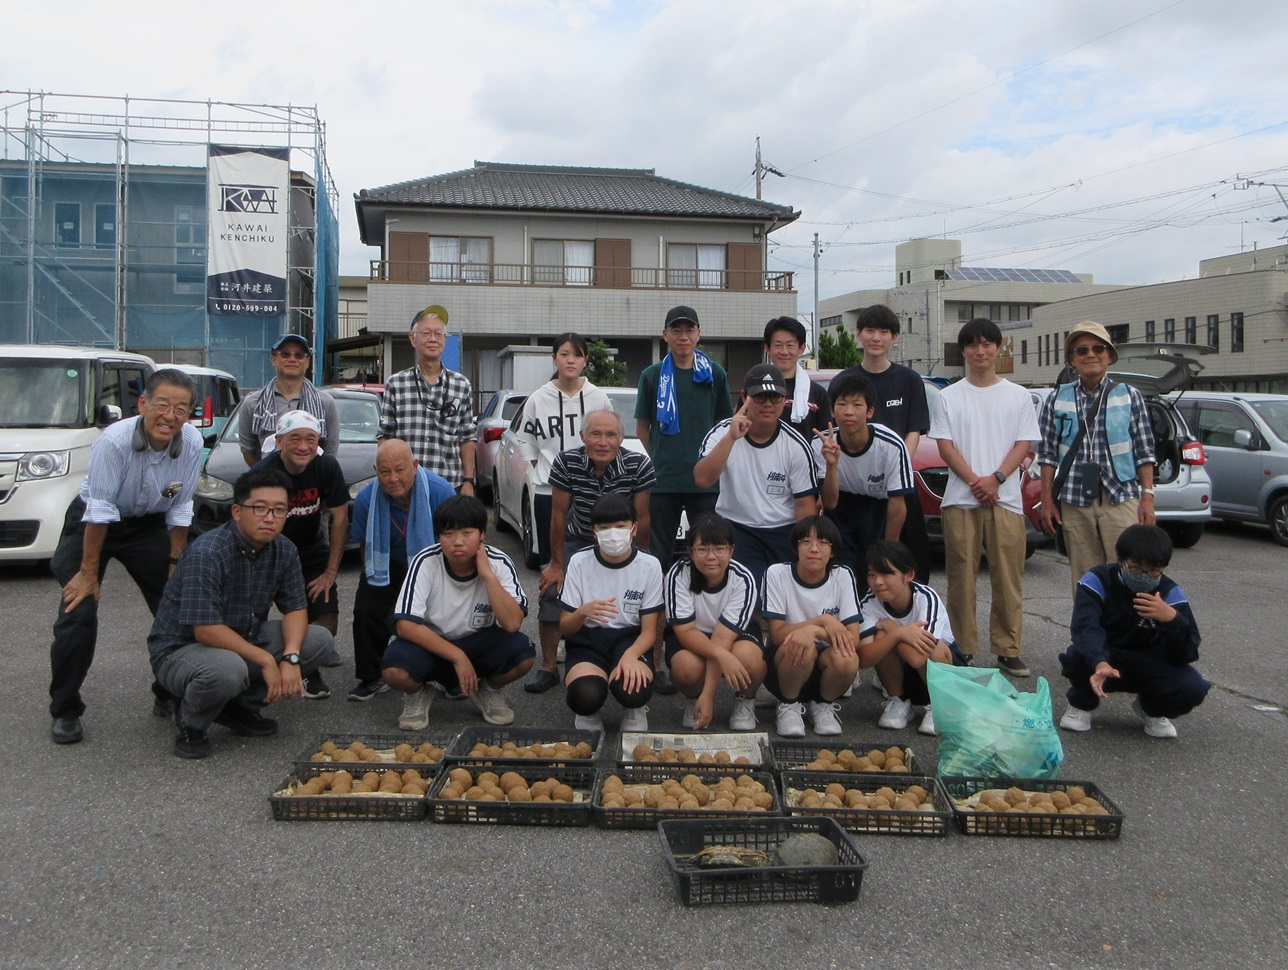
1121, 138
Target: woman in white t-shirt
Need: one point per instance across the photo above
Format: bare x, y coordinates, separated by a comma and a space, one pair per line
711, 603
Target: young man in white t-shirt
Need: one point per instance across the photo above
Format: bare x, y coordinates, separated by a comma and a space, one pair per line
457, 620
985, 426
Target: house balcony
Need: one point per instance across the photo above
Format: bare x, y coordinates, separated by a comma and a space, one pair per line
600, 277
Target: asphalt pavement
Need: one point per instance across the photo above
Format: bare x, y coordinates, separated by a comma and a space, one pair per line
117, 854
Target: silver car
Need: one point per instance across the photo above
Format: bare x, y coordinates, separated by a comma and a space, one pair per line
492, 423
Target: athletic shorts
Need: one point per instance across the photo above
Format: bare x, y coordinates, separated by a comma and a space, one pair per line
602, 646
492, 651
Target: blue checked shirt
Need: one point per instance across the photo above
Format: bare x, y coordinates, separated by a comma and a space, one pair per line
1095, 447
123, 483
434, 419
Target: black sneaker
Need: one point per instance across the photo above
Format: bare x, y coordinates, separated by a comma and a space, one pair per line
246, 723
191, 743
368, 689
315, 688
164, 704
662, 682
1013, 666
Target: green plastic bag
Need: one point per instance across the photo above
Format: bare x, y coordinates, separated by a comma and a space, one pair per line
987, 728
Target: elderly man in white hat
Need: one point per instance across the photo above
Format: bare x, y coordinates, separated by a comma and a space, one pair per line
317, 482
1096, 453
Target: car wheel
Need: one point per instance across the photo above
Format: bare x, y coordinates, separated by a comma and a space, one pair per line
1278, 519
531, 557
1184, 534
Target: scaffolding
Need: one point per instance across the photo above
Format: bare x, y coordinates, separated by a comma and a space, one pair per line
133, 278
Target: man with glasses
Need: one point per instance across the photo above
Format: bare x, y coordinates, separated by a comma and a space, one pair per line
1101, 431
290, 390
765, 471
212, 644
431, 407
135, 506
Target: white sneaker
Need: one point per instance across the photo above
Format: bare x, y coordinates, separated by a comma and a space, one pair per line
415, 712
743, 717
896, 714
791, 720
823, 716
592, 723
1155, 727
689, 718
492, 703
635, 719
1076, 719
927, 725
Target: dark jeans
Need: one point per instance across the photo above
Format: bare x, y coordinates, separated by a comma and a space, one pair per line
373, 621
664, 510
1164, 689
142, 546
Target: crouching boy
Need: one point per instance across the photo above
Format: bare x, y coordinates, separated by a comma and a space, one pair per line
905, 625
1133, 631
611, 609
457, 620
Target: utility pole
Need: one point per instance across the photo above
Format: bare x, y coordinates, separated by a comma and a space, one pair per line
762, 168
814, 327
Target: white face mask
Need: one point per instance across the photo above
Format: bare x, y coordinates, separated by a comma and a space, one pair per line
614, 542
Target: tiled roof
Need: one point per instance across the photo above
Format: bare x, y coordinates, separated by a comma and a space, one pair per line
635, 191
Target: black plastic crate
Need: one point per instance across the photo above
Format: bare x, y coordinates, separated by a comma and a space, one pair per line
360, 807
381, 742
759, 755
799, 753
651, 774
581, 778
839, 883
892, 821
458, 750
1051, 825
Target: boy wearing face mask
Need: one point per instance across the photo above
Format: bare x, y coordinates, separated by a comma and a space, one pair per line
1133, 631
611, 605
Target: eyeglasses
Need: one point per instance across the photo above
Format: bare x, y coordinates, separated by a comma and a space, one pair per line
178, 410
265, 511
292, 354
432, 334
703, 551
1085, 349
815, 541
1138, 570
768, 398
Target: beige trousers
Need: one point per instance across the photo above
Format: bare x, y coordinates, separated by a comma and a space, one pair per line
966, 533
1090, 533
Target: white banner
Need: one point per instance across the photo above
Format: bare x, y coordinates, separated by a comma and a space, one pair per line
247, 201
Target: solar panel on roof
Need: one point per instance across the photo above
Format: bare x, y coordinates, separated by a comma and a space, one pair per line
989, 274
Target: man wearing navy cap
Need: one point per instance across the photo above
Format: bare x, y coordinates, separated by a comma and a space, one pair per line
290, 390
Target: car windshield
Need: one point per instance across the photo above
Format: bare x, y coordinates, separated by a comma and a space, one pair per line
359, 418
511, 405
59, 403
1275, 414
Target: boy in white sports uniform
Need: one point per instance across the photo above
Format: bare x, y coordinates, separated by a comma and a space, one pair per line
905, 625
457, 620
812, 607
612, 610
765, 470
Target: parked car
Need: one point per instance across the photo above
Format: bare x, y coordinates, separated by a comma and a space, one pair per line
514, 484
359, 412
54, 403
492, 423
216, 396
1245, 437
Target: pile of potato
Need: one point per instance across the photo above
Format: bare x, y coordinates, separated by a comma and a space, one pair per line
409, 782
891, 759
558, 750
914, 798
508, 787
742, 793
685, 756
358, 752
1072, 800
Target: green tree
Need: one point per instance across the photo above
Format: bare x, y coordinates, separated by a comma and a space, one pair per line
602, 368
839, 351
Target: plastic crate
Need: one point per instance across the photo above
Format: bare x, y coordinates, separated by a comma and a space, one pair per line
577, 812
458, 750
753, 746
381, 742
360, 807
769, 884
871, 820
651, 774
1044, 824
797, 754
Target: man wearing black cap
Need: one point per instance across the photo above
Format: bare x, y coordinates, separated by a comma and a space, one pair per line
680, 399
765, 471
290, 390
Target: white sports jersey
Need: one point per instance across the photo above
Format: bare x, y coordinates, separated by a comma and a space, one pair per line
926, 605
732, 604
878, 471
761, 483
788, 598
450, 606
636, 584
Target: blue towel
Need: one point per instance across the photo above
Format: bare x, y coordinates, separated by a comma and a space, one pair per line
426, 494
668, 420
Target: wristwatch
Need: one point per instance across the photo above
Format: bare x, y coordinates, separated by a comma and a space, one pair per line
291, 658
467, 480
1001, 479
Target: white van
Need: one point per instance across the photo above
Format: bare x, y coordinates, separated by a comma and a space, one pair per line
54, 403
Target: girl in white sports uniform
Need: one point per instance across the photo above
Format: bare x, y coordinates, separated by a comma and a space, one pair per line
711, 603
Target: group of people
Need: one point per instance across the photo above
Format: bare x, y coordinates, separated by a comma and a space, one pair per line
806, 557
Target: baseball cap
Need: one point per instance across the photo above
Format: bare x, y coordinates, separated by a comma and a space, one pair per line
682, 314
1092, 329
764, 379
433, 310
298, 421
297, 338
